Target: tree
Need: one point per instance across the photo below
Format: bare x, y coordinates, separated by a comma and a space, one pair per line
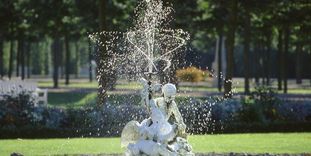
55, 21
219, 15
22, 58
298, 63
1, 58
56, 50
22, 26
67, 57
103, 77
88, 23
209, 18
71, 31
246, 7
55, 30
77, 62
247, 39
90, 60
11, 58
6, 9
286, 16
285, 56
232, 25
67, 23
280, 61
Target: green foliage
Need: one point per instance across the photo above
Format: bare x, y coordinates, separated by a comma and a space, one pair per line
250, 111
34, 21
18, 109
260, 106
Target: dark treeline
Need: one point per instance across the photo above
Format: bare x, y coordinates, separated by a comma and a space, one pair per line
264, 39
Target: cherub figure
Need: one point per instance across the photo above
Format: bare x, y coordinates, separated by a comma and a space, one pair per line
167, 105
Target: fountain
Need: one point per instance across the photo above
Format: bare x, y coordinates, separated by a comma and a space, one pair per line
150, 43
145, 50
163, 133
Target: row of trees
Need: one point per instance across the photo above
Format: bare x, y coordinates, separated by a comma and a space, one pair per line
33, 23
264, 29
260, 27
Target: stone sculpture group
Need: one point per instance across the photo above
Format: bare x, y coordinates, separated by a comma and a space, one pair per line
163, 133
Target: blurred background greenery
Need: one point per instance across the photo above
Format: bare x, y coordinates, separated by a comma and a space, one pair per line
267, 41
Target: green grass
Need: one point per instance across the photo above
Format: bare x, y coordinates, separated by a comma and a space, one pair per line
74, 84
254, 143
86, 84
81, 99
130, 85
82, 84
299, 91
71, 100
30, 147
241, 143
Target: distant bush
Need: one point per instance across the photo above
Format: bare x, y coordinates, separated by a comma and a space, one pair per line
260, 106
18, 109
294, 111
190, 74
201, 115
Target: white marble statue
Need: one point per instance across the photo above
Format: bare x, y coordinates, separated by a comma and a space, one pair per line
161, 134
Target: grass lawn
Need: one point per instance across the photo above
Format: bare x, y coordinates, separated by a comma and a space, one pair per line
71, 100
248, 143
73, 84
86, 84
135, 86
80, 99
298, 91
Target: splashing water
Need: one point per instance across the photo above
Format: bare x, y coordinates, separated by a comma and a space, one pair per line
146, 48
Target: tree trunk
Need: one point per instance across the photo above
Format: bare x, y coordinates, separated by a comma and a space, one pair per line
67, 60
37, 68
20, 59
11, 58
90, 61
102, 57
247, 39
62, 60
28, 53
1, 59
47, 58
62, 66
102, 15
220, 34
230, 47
280, 59
18, 56
56, 50
23, 60
77, 59
256, 63
262, 56
298, 63
267, 63
286, 49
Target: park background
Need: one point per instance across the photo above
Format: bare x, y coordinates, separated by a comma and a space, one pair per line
267, 57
